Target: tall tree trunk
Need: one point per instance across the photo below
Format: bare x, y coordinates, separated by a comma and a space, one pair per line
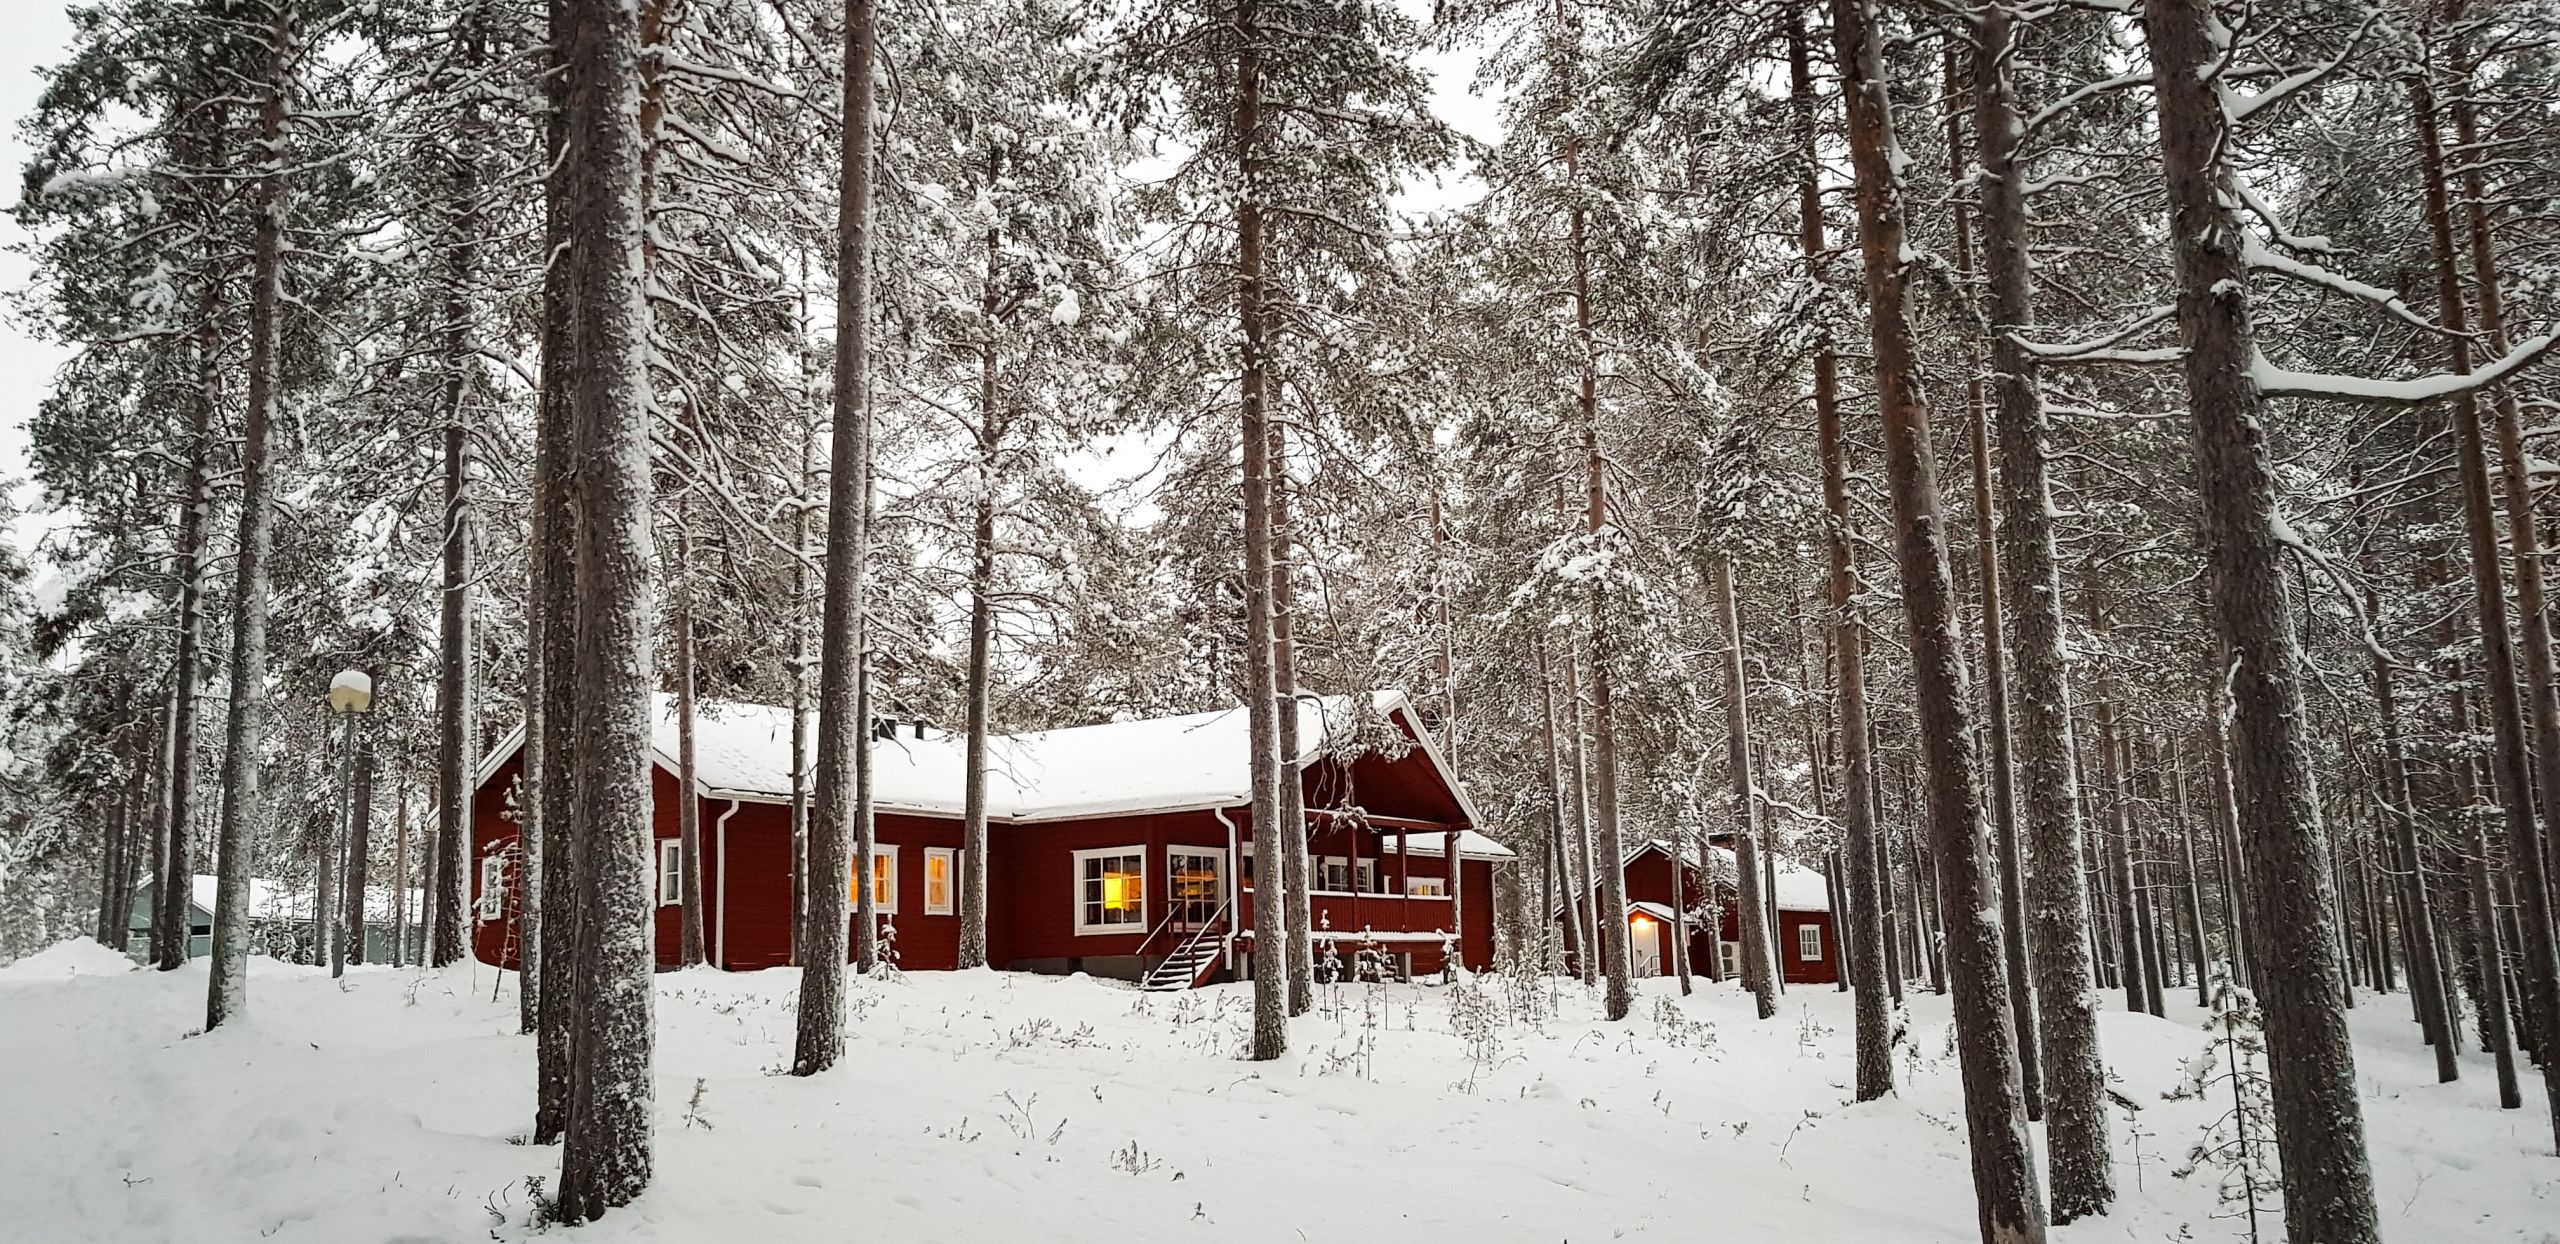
2057, 894
1449, 731
2008, 1195
690, 939
1866, 880
2494, 1034
982, 587
1887, 885
1995, 658
2226, 816
606, 1155
1270, 851
2541, 957
1297, 910
454, 709
1612, 917
1928, 924
162, 756
842, 728
801, 660
2203, 970
2328, 1184
553, 734
2426, 964
1576, 936
1586, 895
2128, 930
1758, 967
2538, 958
400, 877
227, 983
1680, 851
1769, 891
173, 884
109, 930
2146, 875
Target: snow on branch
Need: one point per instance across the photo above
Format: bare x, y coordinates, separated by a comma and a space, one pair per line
717, 73
2107, 349
2274, 381
2081, 94
2307, 243
2240, 107
2286, 535
2261, 259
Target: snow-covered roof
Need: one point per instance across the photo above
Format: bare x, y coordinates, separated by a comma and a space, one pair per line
267, 900
272, 900
1471, 845
1799, 888
1160, 764
1655, 910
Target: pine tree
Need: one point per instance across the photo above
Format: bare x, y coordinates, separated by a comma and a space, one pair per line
2007, 1193
606, 1154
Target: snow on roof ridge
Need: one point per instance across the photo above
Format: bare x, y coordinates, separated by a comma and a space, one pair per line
1149, 764
1799, 888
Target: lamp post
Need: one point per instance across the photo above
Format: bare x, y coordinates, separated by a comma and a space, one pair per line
350, 696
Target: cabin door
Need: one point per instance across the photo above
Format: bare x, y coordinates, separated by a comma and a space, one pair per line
1198, 886
1645, 947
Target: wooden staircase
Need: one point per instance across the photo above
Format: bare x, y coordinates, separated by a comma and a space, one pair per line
1192, 962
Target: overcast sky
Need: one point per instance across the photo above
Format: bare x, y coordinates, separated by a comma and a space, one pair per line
32, 33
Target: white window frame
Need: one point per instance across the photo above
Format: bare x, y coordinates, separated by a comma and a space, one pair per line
670, 871
1076, 892
879, 852
1217, 858
1324, 873
1427, 887
1364, 876
1809, 943
493, 886
1729, 958
1244, 866
950, 857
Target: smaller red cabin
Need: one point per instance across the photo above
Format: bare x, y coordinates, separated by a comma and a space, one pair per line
1807, 948
1122, 849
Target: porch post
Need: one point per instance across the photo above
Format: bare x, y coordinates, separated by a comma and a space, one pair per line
1234, 874
1404, 878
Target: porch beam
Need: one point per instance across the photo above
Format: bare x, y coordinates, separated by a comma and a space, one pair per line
1392, 822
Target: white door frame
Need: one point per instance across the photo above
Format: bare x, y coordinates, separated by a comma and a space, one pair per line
1644, 942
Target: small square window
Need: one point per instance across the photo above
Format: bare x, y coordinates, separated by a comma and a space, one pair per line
1111, 890
1337, 875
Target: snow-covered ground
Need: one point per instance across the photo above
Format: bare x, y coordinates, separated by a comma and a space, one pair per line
994, 1106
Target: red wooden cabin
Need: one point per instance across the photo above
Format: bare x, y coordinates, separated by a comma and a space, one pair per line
1111, 848
1807, 948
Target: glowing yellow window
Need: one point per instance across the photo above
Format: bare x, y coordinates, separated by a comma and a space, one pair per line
937, 881
884, 879
1111, 889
